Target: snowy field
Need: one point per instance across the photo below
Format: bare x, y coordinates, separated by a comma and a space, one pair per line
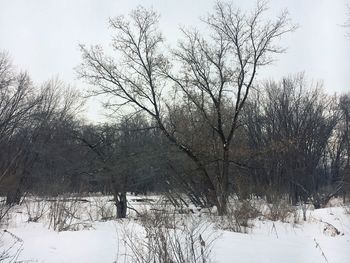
90, 234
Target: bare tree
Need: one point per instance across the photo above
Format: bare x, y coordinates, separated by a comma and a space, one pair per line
289, 130
344, 141
17, 102
60, 158
29, 120
123, 151
209, 71
16, 97
344, 106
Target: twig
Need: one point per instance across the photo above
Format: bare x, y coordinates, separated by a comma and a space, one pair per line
133, 209
14, 236
322, 253
274, 227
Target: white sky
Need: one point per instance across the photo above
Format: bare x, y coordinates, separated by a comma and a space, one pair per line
42, 36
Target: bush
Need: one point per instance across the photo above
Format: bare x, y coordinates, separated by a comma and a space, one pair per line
169, 238
101, 209
63, 214
281, 210
238, 217
36, 209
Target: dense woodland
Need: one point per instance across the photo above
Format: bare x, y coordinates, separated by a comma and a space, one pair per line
193, 123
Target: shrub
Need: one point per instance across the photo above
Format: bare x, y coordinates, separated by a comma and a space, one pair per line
63, 215
169, 238
238, 217
281, 210
101, 209
35, 208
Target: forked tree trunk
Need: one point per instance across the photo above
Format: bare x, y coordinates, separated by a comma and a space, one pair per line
119, 195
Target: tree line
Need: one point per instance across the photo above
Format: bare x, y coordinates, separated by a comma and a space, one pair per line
195, 121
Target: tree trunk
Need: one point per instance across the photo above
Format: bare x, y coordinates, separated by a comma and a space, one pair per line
14, 193
121, 204
223, 183
13, 197
210, 191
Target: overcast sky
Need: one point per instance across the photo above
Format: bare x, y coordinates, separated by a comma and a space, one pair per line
42, 36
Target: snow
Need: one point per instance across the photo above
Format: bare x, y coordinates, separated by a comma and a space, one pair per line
45, 245
266, 242
284, 242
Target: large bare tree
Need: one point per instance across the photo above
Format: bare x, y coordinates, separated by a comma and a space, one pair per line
290, 128
213, 72
17, 103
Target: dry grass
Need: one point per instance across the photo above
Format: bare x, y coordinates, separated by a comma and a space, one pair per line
239, 216
169, 237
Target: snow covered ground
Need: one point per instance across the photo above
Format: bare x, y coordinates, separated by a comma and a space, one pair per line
101, 241
283, 242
